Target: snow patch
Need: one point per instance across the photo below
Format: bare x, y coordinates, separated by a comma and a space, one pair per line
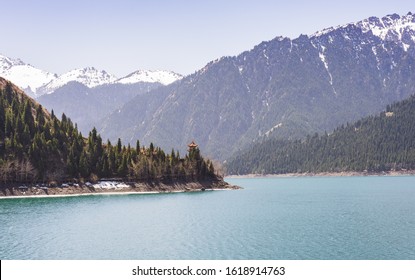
272, 129
157, 76
110, 185
405, 47
89, 76
264, 52
326, 65
389, 28
375, 52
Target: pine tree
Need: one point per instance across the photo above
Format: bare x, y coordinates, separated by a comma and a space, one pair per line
84, 166
123, 168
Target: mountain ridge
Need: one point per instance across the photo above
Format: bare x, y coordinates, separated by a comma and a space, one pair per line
150, 76
37, 82
27, 77
281, 88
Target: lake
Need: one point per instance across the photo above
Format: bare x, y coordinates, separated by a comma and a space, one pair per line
271, 218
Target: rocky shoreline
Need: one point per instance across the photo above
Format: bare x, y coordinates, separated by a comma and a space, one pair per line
326, 174
111, 187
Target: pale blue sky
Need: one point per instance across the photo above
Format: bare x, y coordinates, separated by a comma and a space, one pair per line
180, 35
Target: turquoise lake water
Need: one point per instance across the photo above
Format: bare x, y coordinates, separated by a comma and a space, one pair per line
278, 218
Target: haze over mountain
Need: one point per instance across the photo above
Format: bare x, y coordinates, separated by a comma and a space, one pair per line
87, 106
282, 88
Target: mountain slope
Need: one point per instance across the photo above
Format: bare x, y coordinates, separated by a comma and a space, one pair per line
282, 88
24, 75
87, 106
374, 144
88, 95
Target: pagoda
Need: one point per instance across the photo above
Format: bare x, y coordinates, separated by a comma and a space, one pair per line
192, 146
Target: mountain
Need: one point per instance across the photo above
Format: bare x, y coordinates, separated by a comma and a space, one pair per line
24, 75
36, 82
89, 76
281, 88
87, 106
37, 147
374, 144
143, 76
86, 94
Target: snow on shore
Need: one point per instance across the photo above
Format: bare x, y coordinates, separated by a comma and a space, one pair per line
110, 185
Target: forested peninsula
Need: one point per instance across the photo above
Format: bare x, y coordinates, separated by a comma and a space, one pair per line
41, 154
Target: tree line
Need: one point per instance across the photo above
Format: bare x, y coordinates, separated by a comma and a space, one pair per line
37, 146
373, 144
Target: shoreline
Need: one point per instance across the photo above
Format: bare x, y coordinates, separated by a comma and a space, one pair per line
102, 193
324, 174
115, 188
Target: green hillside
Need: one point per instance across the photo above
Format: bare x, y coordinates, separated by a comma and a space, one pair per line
373, 144
37, 146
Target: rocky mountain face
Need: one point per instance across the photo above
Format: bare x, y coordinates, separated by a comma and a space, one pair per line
282, 88
87, 106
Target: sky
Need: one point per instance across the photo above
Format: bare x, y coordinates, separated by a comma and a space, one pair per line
122, 36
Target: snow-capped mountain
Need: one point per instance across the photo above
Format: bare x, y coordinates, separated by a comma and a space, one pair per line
24, 75
149, 76
389, 28
282, 88
36, 82
88, 76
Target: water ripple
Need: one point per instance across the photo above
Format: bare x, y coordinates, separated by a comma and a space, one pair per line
296, 218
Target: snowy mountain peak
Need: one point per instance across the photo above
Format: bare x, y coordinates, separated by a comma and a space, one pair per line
150, 76
390, 28
36, 82
7, 62
24, 75
88, 76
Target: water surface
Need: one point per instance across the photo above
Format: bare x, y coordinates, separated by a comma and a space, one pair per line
278, 218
